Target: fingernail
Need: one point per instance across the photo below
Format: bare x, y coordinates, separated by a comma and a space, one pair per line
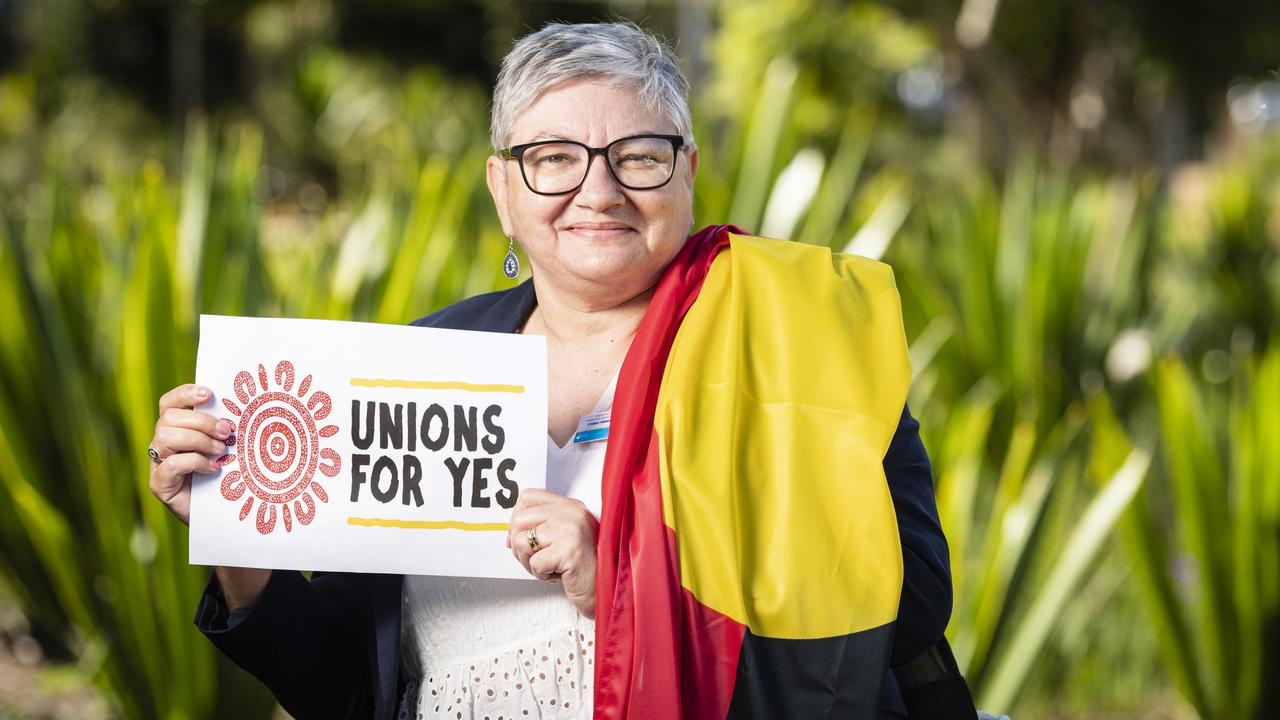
219, 448
231, 439
224, 428
202, 393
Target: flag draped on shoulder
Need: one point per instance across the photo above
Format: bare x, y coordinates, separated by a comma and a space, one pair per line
749, 560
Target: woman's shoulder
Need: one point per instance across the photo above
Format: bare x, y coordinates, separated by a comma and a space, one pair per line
501, 311
764, 257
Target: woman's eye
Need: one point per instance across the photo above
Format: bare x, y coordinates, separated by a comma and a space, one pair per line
558, 159
636, 159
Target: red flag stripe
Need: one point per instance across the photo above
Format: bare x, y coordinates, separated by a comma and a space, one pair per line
659, 653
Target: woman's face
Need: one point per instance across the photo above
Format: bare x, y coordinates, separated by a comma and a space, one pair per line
601, 240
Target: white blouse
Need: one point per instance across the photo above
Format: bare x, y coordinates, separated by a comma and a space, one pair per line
504, 649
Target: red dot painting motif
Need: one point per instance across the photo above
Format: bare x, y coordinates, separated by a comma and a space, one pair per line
277, 448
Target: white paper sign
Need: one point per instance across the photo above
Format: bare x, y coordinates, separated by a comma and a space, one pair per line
368, 448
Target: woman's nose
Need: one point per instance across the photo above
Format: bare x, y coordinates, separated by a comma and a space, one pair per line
599, 190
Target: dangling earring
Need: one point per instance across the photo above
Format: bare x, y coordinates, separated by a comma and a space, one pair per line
511, 263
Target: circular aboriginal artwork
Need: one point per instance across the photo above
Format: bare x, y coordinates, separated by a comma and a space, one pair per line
277, 448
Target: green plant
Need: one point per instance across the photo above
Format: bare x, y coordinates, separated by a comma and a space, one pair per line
105, 270
1211, 578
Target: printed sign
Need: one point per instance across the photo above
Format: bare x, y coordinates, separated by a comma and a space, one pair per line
368, 448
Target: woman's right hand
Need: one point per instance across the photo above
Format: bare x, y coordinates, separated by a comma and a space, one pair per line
188, 441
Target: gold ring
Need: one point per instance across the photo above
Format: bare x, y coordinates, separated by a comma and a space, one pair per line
532, 537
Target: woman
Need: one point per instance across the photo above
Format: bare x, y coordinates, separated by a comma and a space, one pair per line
733, 552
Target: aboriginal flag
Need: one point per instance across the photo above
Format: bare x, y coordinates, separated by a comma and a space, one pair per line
749, 560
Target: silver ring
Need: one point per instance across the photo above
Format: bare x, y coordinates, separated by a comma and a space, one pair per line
154, 454
532, 538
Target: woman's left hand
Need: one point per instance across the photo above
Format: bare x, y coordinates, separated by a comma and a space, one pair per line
566, 543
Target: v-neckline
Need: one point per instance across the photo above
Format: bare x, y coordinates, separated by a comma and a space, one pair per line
606, 398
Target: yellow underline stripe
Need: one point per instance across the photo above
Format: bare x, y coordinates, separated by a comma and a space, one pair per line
428, 524
436, 385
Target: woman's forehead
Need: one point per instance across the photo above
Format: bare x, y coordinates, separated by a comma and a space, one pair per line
584, 109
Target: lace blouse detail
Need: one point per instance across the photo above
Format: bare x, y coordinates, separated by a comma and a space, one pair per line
548, 678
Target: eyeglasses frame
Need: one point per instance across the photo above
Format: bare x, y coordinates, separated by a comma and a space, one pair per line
516, 152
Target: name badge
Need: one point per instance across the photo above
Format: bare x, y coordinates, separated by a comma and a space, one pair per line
591, 428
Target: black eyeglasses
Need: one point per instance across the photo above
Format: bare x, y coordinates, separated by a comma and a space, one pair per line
556, 167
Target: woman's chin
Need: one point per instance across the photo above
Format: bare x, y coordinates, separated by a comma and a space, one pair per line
613, 274
600, 264
605, 267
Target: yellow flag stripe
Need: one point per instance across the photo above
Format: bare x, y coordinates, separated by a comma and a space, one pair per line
781, 394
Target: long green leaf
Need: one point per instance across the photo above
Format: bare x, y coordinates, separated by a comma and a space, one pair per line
1082, 547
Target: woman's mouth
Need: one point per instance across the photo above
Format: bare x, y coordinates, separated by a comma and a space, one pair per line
599, 230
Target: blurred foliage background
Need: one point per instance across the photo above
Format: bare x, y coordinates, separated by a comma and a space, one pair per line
1081, 201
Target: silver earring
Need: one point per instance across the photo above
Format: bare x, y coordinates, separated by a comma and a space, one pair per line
511, 263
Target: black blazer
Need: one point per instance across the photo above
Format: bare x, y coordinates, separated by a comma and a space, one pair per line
330, 646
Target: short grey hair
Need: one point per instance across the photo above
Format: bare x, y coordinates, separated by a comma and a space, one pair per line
618, 53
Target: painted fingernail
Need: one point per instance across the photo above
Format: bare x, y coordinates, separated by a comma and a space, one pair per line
219, 448
202, 393
231, 439
224, 428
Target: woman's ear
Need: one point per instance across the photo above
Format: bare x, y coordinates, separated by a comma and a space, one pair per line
693, 164
495, 175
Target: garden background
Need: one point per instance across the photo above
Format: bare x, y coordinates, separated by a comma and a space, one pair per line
1080, 199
